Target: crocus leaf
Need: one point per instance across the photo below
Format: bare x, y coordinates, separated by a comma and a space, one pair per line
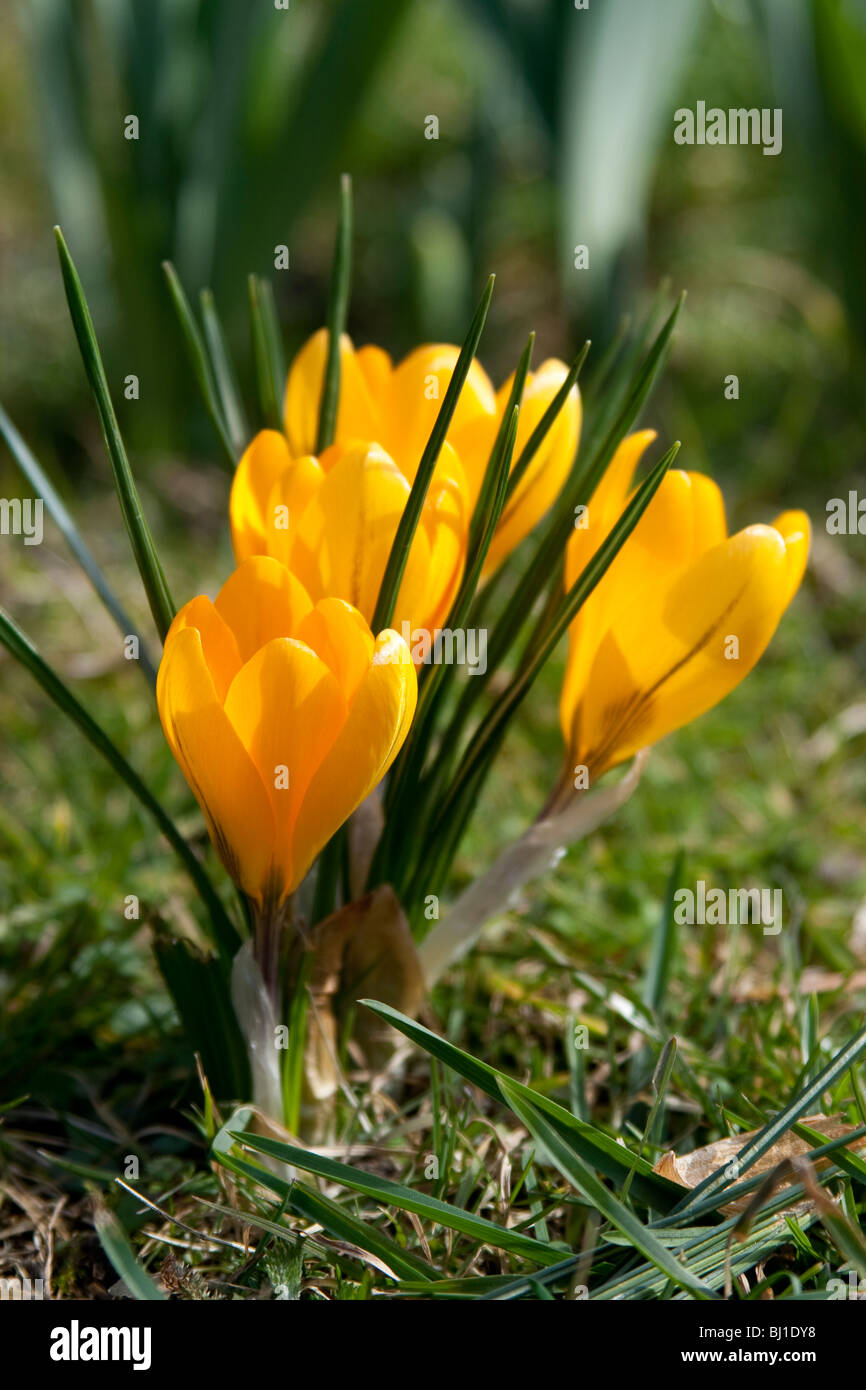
338, 310
149, 567
39, 480
13, 639
399, 555
198, 357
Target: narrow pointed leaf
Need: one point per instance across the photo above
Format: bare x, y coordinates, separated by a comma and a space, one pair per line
405, 1198
39, 480
197, 353
13, 639
338, 1223
231, 403
399, 555
581, 1177
338, 312
545, 424
269, 393
592, 1144
149, 567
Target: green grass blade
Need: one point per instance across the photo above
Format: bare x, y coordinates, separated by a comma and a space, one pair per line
39, 480
338, 312
312, 1206
197, 353
149, 567
115, 1243
224, 934
231, 402
581, 1177
596, 1147
771, 1133
412, 512
406, 1199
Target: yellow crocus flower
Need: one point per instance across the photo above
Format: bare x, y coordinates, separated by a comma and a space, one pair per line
283, 715
332, 519
681, 616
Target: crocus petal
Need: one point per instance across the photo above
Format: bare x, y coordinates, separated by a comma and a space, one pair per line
796, 531
340, 636
376, 365
376, 725
287, 709
357, 417
416, 390
343, 540
218, 642
262, 600
680, 649
605, 506
262, 463
215, 763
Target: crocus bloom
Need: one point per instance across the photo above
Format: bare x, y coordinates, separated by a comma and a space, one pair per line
283, 715
332, 519
681, 616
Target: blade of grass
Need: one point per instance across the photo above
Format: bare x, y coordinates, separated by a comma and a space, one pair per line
338, 311
581, 1177
224, 934
312, 1206
809, 1096
115, 1243
399, 555
405, 1198
39, 480
596, 1147
149, 567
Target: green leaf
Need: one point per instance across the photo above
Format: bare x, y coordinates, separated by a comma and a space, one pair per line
231, 402
224, 934
149, 567
39, 480
263, 348
312, 1206
457, 802
338, 311
539, 434
199, 987
399, 555
198, 357
115, 1243
581, 1177
596, 1147
406, 1199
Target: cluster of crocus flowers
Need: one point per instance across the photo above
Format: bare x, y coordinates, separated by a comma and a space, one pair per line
332, 518
678, 620
283, 714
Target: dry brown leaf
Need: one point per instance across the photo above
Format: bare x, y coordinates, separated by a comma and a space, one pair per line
690, 1169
